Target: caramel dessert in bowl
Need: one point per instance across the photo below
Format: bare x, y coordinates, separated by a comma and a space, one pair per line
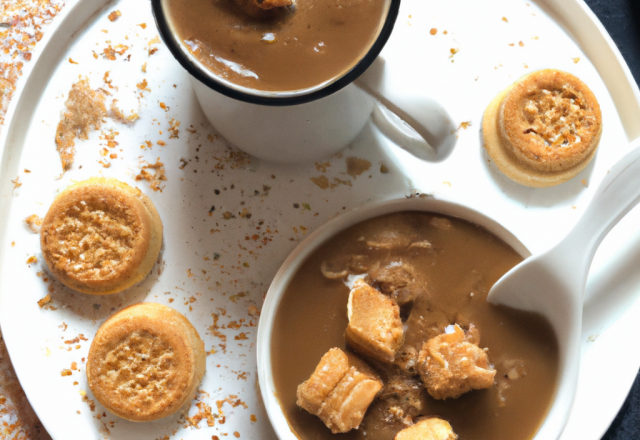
101, 236
399, 300
544, 129
145, 362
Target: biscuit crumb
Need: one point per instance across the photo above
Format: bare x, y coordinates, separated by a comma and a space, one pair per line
154, 40
204, 412
142, 85
44, 301
34, 222
119, 115
85, 112
114, 15
173, 128
154, 174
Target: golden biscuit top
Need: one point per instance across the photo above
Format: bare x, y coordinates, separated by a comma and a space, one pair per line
145, 362
140, 371
95, 232
551, 120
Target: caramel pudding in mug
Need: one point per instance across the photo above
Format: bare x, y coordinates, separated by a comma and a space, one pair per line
260, 45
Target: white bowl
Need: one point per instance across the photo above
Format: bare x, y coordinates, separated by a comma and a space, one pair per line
321, 236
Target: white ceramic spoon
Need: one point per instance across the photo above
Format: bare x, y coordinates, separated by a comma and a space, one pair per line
552, 283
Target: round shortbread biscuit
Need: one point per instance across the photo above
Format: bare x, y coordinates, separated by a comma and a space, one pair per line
544, 129
101, 236
145, 362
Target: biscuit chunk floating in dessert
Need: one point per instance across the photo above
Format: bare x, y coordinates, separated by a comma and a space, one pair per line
145, 362
452, 364
101, 236
262, 9
339, 391
428, 429
375, 328
332, 368
397, 279
544, 129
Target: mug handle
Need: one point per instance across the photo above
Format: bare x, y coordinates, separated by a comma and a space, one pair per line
400, 116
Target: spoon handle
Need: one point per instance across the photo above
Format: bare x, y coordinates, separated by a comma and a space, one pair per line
618, 193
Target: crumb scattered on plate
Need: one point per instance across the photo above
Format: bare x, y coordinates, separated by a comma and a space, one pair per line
85, 111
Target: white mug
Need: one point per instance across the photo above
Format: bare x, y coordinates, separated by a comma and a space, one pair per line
310, 124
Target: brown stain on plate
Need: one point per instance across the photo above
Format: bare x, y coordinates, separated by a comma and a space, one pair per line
323, 182
357, 166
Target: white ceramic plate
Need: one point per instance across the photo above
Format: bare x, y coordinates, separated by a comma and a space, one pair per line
224, 266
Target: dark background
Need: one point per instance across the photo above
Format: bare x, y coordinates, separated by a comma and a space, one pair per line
622, 20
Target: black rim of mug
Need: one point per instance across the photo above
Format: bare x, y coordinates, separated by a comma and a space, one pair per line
346, 79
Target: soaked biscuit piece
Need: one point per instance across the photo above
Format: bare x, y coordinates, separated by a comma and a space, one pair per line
428, 429
450, 365
375, 328
263, 9
407, 360
332, 368
339, 391
343, 265
444, 224
397, 278
346, 405
389, 240
404, 398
